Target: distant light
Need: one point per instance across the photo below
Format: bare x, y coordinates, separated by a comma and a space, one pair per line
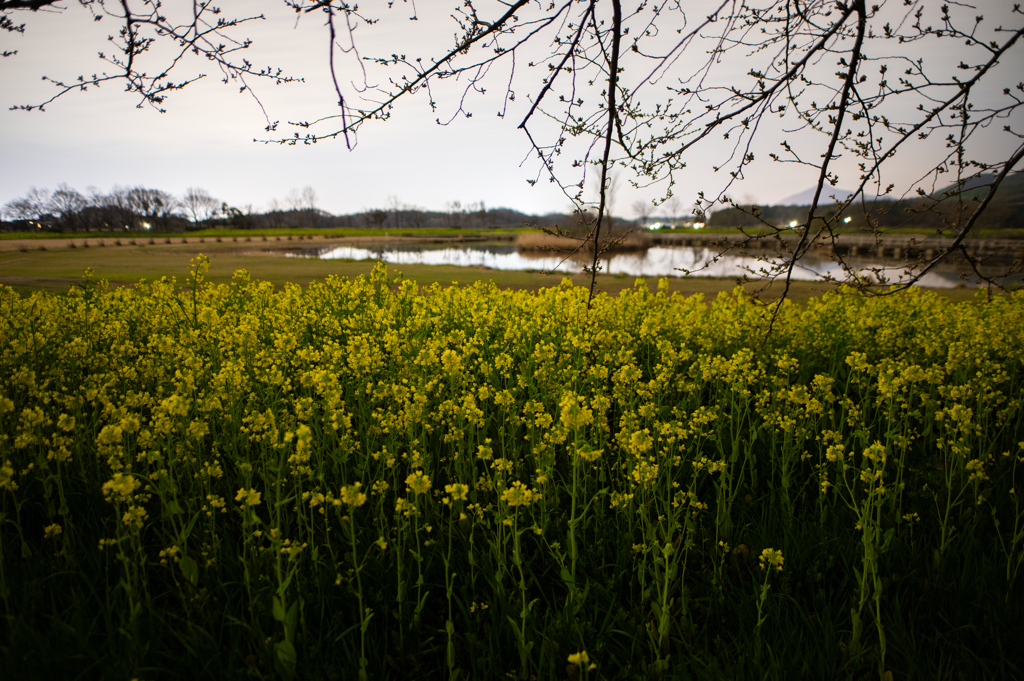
698, 225
145, 225
847, 220
792, 224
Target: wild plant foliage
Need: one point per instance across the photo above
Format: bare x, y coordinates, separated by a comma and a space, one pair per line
364, 478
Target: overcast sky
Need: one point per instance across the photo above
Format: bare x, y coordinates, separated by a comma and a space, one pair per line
101, 139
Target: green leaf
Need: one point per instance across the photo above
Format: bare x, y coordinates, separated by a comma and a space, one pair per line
566, 576
423, 601
190, 569
172, 508
286, 654
278, 609
515, 629
292, 618
886, 540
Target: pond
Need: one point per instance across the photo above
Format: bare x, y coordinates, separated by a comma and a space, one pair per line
657, 261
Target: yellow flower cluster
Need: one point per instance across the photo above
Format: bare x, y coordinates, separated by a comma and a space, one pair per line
457, 491
659, 418
352, 496
582, 659
248, 497
518, 494
771, 558
122, 485
418, 482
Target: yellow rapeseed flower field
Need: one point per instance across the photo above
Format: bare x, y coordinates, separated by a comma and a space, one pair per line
474, 483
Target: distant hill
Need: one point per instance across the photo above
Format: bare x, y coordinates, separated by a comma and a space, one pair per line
1010, 191
805, 197
939, 211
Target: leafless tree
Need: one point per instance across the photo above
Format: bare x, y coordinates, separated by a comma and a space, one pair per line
306, 198
415, 217
119, 208
612, 185
93, 217
303, 202
245, 216
375, 218
397, 209
66, 202
200, 205
453, 214
476, 214
294, 199
845, 79
197, 28
652, 88
643, 210
32, 206
673, 208
274, 210
309, 201
155, 206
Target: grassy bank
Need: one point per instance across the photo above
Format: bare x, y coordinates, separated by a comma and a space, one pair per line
58, 268
363, 479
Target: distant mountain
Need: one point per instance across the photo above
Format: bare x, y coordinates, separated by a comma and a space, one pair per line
1011, 189
805, 197
940, 211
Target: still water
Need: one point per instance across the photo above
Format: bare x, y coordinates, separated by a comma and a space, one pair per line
658, 261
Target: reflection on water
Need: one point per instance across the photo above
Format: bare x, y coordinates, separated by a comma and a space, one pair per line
659, 261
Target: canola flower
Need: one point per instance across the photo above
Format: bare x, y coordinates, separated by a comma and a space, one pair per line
457, 491
418, 482
352, 495
120, 486
52, 531
248, 497
518, 494
582, 660
130, 418
771, 558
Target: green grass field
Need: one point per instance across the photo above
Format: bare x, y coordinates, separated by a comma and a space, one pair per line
58, 267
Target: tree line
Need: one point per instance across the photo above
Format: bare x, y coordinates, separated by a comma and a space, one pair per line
122, 208
141, 209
